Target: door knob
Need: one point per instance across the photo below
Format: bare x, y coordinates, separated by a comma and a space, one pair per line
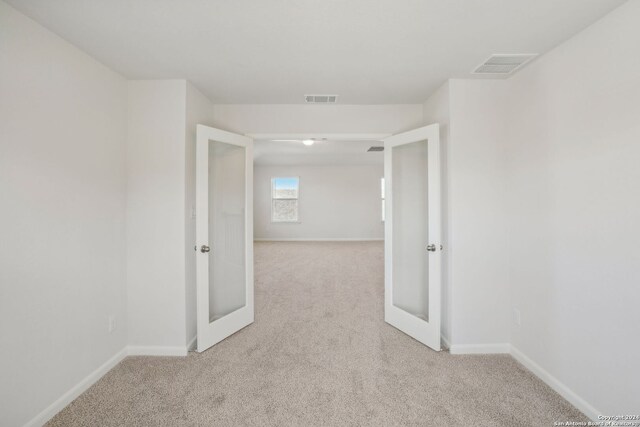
431, 248
204, 249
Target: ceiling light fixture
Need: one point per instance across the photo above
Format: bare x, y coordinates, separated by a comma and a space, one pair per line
308, 142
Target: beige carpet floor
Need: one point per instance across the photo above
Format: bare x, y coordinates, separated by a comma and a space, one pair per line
319, 353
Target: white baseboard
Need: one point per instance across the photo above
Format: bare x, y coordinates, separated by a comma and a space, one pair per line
479, 348
556, 385
135, 350
77, 390
192, 344
321, 239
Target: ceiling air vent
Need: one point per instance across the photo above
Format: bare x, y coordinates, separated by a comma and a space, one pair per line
375, 148
320, 99
504, 64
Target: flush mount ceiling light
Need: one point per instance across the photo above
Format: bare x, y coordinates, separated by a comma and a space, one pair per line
308, 142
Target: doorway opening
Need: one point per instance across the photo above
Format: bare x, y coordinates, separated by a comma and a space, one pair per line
318, 188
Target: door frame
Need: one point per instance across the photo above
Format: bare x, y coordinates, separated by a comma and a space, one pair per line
210, 333
361, 136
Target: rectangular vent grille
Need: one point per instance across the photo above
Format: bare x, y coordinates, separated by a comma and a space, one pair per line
504, 64
374, 148
320, 99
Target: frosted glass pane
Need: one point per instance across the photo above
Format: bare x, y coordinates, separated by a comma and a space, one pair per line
227, 281
409, 187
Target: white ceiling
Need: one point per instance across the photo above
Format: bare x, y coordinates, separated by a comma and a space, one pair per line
331, 152
275, 51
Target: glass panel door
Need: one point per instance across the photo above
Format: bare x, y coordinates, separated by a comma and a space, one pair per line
412, 234
224, 233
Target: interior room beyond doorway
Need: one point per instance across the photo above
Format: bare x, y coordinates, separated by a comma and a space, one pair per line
330, 187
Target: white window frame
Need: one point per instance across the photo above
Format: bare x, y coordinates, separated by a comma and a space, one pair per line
292, 221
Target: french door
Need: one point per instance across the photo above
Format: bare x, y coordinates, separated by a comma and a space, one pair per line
224, 234
412, 234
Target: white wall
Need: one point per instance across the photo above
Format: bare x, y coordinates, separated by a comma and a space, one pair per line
542, 180
251, 119
161, 283
476, 217
335, 202
156, 217
573, 206
475, 280
62, 216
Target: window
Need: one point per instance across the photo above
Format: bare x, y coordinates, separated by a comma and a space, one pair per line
284, 199
382, 195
